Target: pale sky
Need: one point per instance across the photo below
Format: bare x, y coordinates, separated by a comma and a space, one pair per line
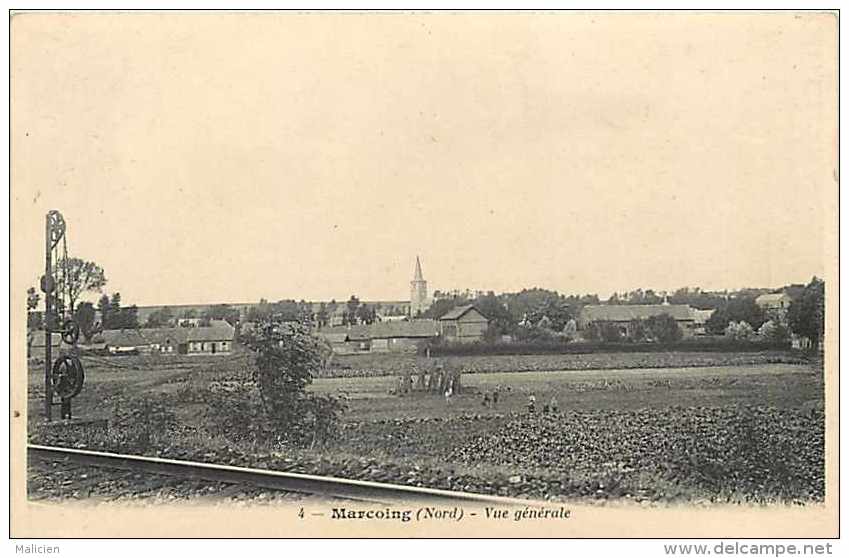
205, 158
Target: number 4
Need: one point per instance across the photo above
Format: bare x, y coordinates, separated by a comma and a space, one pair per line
301, 513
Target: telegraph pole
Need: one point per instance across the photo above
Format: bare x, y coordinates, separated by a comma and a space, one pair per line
47, 287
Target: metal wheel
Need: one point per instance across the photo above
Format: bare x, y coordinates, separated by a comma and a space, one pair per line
57, 226
70, 332
67, 376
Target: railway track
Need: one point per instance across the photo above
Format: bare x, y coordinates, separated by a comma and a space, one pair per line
325, 487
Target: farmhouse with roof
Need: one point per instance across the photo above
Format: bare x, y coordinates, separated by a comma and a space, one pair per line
215, 339
622, 315
380, 337
463, 324
775, 305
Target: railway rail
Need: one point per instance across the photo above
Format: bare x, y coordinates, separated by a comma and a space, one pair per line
328, 487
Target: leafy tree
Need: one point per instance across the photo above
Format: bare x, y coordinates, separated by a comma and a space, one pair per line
321, 316
105, 309
84, 316
130, 317
259, 312
442, 306
82, 276
366, 314
286, 359
115, 307
664, 328
603, 331
222, 312
350, 316
286, 310
570, 330
32, 299
33, 316
160, 318
737, 309
500, 319
806, 314
639, 331
774, 331
739, 331
113, 316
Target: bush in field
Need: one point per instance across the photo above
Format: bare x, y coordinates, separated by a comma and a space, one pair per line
536, 334
287, 358
772, 331
603, 331
664, 328
570, 330
740, 309
739, 331
806, 314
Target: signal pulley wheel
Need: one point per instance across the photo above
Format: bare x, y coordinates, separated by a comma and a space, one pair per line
70, 331
57, 226
67, 376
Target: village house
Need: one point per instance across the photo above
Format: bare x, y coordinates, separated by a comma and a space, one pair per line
774, 305
380, 337
346, 340
623, 315
463, 324
700, 319
215, 339
401, 336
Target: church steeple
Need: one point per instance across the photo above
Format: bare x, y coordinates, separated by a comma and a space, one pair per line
418, 291
418, 275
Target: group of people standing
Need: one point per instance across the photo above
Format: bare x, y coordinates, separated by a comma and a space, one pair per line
552, 406
437, 380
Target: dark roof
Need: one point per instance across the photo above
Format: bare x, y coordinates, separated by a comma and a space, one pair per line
122, 338
628, 312
459, 311
381, 330
218, 330
352, 332
413, 328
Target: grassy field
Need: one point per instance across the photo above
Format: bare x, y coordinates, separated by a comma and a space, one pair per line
740, 432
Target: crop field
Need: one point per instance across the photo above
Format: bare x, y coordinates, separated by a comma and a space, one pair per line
746, 432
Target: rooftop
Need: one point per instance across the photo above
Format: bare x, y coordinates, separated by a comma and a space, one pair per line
628, 312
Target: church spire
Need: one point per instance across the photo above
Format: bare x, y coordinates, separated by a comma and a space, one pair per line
418, 292
418, 275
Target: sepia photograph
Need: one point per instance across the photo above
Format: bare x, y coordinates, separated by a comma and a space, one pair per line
424, 274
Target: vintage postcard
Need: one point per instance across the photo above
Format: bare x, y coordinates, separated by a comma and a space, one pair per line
424, 274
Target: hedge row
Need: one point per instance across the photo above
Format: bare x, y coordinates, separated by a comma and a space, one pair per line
524, 348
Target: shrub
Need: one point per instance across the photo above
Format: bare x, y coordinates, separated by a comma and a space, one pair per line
287, 358
739, 331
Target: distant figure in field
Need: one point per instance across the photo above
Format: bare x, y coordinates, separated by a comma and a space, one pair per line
553, 404
532, 402
444, 379
486, 400
431, 380
420, 384
495, 397
455, 381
